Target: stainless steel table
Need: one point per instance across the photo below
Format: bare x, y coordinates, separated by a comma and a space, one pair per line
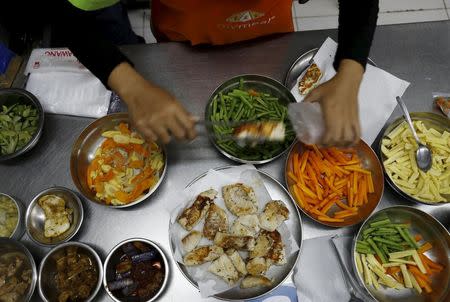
415, 52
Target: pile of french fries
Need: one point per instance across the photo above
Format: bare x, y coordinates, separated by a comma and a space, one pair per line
400, 147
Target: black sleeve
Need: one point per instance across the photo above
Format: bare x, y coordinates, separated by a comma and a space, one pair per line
76, 29
357, 22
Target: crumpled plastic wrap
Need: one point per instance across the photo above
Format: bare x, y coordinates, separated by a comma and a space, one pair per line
308, 121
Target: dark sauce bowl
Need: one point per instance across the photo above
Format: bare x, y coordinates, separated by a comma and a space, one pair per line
130, 259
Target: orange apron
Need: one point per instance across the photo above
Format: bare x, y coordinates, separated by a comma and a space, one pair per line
219, 21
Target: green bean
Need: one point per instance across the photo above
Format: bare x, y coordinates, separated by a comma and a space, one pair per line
387, 242
380, 223
377, 250
405, 237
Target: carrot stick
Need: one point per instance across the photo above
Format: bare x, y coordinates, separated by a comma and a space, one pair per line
416, 272
425, 247
317, 151
292, 176
431, 263
329, 219
348, 214
304, 161
356, 169
307, 191
418, 237
295, 163
425, 264
327, 206
370, 183
298, 197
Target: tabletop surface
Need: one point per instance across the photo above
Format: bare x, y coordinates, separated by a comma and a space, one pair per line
417, 53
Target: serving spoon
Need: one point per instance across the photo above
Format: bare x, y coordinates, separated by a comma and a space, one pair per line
423, 153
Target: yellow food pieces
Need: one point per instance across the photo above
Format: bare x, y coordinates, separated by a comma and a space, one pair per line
399, 148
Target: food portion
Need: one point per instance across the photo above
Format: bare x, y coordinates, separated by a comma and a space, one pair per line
240, 248
399, 147
125, 167
193, 214
15, 277
310, 80
58, 218
76, 274
18, 124
329, 184
264, 117
140, 272
387, 254
9, 216
443, 102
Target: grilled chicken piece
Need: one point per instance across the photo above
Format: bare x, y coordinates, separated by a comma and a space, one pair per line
310, 80
228, 241
202, 254
238, 263
224, 268
193, 214
273, 215
191, 240
254, 281
276, 253
262, 245
261, 131
57, 216
257, 266
240, 199
247, 225
216, 221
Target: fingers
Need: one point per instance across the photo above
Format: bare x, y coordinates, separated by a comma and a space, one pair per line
163, 134
188, 123
314, 95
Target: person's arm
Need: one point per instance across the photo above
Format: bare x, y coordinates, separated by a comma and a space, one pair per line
338, 97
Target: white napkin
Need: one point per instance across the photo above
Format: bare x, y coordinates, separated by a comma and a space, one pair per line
64, 86
376, 95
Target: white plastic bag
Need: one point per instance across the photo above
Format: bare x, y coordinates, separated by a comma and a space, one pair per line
307, 121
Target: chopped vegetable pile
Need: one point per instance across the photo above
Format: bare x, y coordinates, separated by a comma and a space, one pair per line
18, 124
323, 178
249, 105
399, 148
387, 254
9, 216
124, 167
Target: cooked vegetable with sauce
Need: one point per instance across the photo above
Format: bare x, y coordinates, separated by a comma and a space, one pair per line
399, 147
388, 254
18, 124
15, 277
9, 216
248, 105
140, 272
124, 167
76, 274
58, 218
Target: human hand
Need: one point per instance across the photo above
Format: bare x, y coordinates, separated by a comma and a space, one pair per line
155, 113
338, 100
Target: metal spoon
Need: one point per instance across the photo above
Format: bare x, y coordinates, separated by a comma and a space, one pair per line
423, 153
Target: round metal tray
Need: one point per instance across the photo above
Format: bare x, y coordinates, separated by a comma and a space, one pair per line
301, 64
429, 119
294, 224
432, 231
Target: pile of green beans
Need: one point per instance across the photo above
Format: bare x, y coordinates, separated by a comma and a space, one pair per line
383, 237
18, 123
249, 105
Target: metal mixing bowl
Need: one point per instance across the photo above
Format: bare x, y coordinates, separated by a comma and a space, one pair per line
369, 162
258, 83
35, 217
20, 228
12, 246
436, 121
113, 258
47, 271
11, 96
432, 231
83, 152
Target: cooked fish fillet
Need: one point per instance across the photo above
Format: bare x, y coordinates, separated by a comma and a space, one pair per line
238, 263
263, 244
202, 254
276, 253
257, 266
191, 240
240, 199
193, 214
57, 216
224, 268
275, 212
216, 221
253, 281
247, 225
228, 241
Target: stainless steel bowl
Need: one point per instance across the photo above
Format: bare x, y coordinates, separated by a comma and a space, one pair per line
258, 83
83, 152
113, 258
432, 231
20, 228
12, 246
11, 96
47, 271
35, 217
429, 119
